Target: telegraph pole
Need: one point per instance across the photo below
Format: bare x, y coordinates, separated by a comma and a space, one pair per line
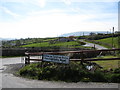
112, 38
119, 30
83, 33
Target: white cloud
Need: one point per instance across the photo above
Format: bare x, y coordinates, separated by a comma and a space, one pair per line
70, 1
67, 2
12, 1
9, 12
40, 3
46, 12
52, 25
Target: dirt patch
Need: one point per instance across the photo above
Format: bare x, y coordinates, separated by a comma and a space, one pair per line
13, 68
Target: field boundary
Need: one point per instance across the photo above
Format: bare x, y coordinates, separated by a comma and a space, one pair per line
82, 52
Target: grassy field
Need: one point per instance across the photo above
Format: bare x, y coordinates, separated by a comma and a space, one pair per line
111, 64
109, 41
58, 44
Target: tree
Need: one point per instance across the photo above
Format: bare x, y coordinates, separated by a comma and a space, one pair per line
18, 43
92, 33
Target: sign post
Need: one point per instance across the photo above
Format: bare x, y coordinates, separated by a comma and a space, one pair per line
56, 58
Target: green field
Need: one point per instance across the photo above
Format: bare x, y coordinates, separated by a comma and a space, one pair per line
58, 44
109, 64
106, 41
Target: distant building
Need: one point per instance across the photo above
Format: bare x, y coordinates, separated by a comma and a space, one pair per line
61, 39
64, 39
12, 44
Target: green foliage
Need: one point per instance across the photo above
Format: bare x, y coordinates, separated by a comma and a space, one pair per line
58, 44
109, 41
27, 41
98, 76
104, 39
29, 71
109, 64
74, 72
98, 36
117, 70
115, 78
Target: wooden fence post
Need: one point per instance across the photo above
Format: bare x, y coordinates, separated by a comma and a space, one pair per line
42, 62
28, 59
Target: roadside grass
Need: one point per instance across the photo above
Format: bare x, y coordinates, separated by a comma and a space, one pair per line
109, 64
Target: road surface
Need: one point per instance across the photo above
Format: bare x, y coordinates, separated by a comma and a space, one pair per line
92, 45
9, 65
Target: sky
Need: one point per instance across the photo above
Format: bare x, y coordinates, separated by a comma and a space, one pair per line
51, 18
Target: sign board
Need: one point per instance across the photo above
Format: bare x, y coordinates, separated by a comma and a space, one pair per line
56, 58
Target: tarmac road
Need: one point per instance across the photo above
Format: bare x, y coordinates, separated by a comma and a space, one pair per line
92, 45
10, 65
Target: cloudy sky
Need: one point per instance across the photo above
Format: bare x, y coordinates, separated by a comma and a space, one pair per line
51, 18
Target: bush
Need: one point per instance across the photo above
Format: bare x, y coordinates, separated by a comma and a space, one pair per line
115, 78
74, 72
29, 71
117, 70
98, 76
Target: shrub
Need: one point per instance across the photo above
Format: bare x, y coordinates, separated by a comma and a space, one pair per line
29, 71
98, 76
117, 70
74, 72
115, 78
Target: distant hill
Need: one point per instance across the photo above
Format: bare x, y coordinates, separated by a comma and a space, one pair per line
5, 39
81, 33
